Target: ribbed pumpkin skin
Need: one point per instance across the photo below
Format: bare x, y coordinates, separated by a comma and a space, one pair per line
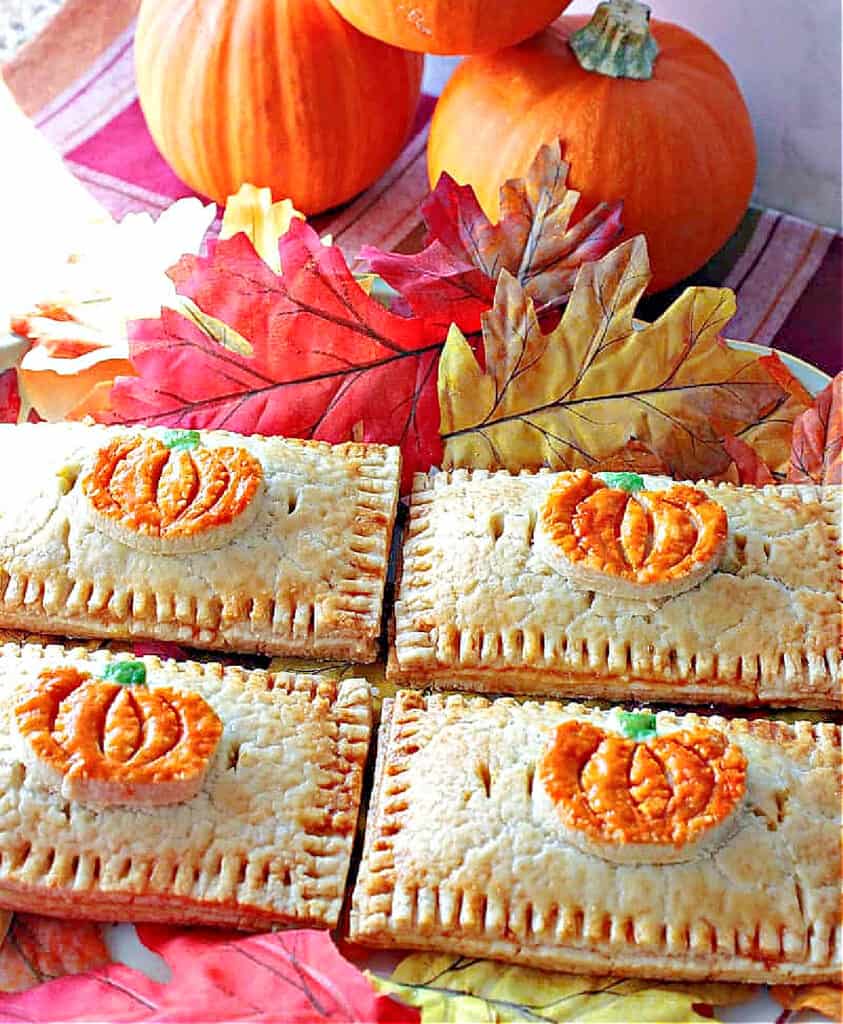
678, 149
278, 93
450, 26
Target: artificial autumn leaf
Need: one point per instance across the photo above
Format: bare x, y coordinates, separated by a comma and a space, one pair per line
326, 357
574, 396
767, 442
453, 278
752, 469
217, 976
634, 457
9, 397
37, 949
252, 211
76, 323
448, 988
825, 999
817, 452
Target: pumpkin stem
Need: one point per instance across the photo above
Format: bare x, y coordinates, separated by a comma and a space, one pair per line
617, 41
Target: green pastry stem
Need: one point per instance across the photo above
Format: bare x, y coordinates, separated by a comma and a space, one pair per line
637, 725
617, 41
631, 482
181, 440
126, 673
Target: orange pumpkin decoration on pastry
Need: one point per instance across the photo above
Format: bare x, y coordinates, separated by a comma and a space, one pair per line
171, 499
630, 542
107, 743
649, 800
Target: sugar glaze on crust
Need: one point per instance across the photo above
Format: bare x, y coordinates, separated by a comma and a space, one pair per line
463, 853
478, 607
266, 841
301, 570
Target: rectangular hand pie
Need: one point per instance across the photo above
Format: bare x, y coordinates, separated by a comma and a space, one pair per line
621, 587
163, 791
207, 538
671, 846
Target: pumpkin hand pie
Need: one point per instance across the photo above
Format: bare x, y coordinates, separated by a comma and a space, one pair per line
604, 842
203, 537
619, 586
145, 790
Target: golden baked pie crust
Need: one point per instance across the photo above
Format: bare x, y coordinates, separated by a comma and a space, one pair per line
306, 577
463, 854
267, 841
477, 608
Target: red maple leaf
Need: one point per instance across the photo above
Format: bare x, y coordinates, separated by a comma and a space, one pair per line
9, 397
453, 278
283, 977
313, 354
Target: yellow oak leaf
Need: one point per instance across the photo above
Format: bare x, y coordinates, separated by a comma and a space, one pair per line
573, 397
252, 211
448, 988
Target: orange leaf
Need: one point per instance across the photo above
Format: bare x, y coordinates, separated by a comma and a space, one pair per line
817, 452
751, 468
825, 999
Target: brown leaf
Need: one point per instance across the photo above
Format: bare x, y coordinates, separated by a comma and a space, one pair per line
574, 396
817, 452
752, 469
39, 948
825, 999
453, 278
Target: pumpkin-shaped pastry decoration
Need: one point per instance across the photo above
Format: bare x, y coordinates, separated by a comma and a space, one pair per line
635, 795
172, 495
115, 740
645, 112
282, 94
614, 536
464, 26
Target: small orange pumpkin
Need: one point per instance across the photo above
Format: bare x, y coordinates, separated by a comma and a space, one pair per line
669, 134
468, 26
278, 93
112, 743
662, 791
171, 493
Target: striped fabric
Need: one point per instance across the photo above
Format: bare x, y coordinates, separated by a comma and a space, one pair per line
786, 272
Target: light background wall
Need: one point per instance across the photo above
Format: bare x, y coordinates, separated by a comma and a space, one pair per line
786, 56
